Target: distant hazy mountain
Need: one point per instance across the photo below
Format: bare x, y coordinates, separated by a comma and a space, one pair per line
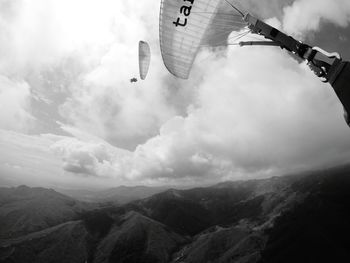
302, 218
117, 195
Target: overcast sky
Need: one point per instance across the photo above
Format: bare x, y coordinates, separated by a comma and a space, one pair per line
69, 116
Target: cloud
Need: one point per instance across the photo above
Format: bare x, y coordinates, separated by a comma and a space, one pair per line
307, 15
104, 101
111, 107
86, 155
81, 54
15, 106
244, 113
38, 34
31, 160
263, 9
82, 158
26, 159
281, 121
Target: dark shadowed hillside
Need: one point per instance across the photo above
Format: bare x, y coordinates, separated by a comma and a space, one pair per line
138, 239
24, 210
222, 245
318, 229
68, 242
194, 210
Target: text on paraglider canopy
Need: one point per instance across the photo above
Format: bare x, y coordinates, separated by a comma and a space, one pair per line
186, 11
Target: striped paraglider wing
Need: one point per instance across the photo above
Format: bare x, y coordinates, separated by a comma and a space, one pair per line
182, 27
144, 58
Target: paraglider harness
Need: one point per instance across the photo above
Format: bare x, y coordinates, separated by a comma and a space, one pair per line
329, 67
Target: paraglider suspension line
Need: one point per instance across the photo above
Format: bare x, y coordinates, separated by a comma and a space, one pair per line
239, 11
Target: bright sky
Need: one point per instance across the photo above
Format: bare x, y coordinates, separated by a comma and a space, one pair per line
69, 116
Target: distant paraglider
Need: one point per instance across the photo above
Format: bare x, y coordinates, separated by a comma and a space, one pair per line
144, 59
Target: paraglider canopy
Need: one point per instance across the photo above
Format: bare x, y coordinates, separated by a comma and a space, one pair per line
183, 25
186, 26
144, 58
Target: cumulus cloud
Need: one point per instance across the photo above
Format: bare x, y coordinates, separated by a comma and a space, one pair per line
307, 15
31, 160
111, 107
282, 121
82, 158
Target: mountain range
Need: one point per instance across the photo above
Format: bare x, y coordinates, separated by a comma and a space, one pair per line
117, 195
296, 218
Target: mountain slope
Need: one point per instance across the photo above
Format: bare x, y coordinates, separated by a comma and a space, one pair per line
222, 245
117, 195
138, 239
25, 210
192, 211
318, 229
68, 242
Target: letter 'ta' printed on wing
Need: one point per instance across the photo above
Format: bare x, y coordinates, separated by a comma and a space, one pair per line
185, 11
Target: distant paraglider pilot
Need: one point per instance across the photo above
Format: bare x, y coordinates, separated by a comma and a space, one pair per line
133, 80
